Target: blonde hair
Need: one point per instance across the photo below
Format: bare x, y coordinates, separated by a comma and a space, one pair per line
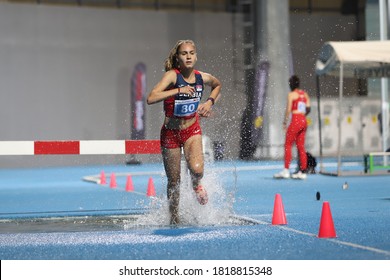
171, 62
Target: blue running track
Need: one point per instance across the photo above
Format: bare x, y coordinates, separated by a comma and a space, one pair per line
53, 213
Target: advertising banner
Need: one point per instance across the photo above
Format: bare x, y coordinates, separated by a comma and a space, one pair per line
261, 81
253, 117
138, 100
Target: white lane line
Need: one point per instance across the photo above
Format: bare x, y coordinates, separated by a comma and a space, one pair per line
350, 244
96, 178
379, 251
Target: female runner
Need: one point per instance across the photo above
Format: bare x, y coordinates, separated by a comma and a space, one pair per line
181, 89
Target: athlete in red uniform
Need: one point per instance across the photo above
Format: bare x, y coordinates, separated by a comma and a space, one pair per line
181, 89
298, 106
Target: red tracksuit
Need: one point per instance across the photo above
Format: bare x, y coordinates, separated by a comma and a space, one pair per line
296, 132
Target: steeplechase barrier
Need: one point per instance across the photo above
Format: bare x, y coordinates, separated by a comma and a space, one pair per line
80, 147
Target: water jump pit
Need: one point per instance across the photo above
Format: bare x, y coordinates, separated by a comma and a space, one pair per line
128, 206
98, 223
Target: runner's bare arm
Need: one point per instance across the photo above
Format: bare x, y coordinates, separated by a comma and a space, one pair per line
204, 109
159, 92
215, 85
288, 109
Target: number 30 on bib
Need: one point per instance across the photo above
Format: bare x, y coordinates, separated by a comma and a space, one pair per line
186, 107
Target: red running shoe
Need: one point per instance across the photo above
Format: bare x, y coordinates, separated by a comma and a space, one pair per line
201, 195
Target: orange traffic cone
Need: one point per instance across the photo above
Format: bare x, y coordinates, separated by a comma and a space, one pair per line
129, 184
102, 178
327, 229
278, 217
113, 181
151, 191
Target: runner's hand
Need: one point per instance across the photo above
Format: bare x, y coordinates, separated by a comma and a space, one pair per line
204, 109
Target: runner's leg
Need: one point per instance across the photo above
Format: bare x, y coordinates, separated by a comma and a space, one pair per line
172, 159
193, 152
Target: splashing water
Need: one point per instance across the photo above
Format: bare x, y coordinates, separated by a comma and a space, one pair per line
217, 211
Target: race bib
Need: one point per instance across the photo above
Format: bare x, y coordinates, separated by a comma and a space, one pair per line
301, 107
186, 107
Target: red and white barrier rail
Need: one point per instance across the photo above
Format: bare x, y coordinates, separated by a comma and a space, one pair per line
80, 147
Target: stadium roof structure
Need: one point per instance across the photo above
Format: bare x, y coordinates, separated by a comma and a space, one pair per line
356, 59
361, 59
